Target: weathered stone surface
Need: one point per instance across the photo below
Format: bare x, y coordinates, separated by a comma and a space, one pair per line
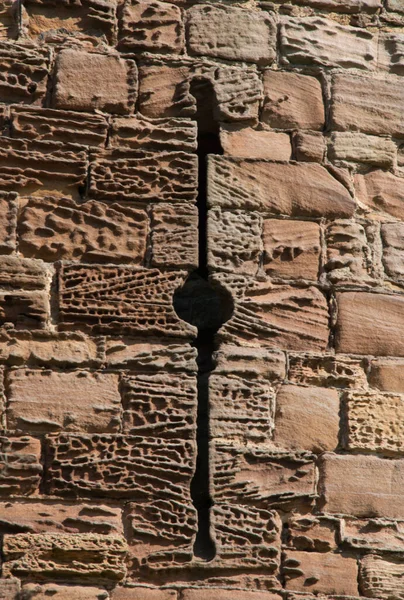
292, 249
231, 33
381, 577
292, 101
374, 422
8, 24
24, 69
53, 228
361, 148
373, 534
307, 418
107, 82
142, 177
150, 357
25, 310
240, 409
250, 362
342, 6
258, 475
321, 573
349, 256
55, 517
223, 594
9, 589
391, 52
294, 189
362, 486
162, 405
164, 89
381, 191
119, 466
34, 591
154, 134
151, 26
309, 146
17, 273
20, 468
286, 317
318, 41
370, 323
30, 122
327, 371
393, 249
255, 143
387, 374
234, 241
311, 533
143, 593
8, 222
44, 401
174, 236
95, 558
368, 104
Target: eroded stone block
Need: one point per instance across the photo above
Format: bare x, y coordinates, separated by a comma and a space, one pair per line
381, 577
361, 148
349, 256
381, 191
150, 357
9, 589
309, 146
393, 249
327, 371
24, 69
373, 534
312, 533
139, 132
8, 222
250, 362
25, 310
255, 143
20, 467
174, 236
143, 593
387, 374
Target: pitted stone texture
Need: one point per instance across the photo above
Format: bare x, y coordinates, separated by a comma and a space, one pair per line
373, 534
349, 256
292, 249
327, 371
90, 231
25, 310
369, 323
387, 374
309, 146
141, 133
107, 82
391, 52
150, 356
151, 26
286, 317
382, 192
318, 41
250, 362
45, 124
97, 559
362, 486
8, 222
143, 593
120, 300
292, 101
368, 104
223, 594
119, 466
8, 24
231, 33
255, 143
374, 422
342, 6
174, 236
41, 401
291, 189
393, 249
311, 533
138, 176
381, 577
57, 517
20, 468
24, 69
35, 591
361, 148
307, 418
321, 573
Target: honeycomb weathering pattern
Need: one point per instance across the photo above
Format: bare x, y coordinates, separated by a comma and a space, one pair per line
140, 460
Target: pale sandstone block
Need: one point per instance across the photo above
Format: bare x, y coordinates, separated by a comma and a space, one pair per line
381, 191
142, 133
349, 256
9, 589
46, 401
35, 591
309, 146
255, 143
307, 418
373, 534
361, 148
106, 82
223, 594
381, 577
164, 89
292, 101
393, 249
143, 593
343, 6
321, 573
327, 371
231, 33
250, 362
150, 357
391, 52
312, 533
369, 323
174, 236
20, 467
363, 486
292, 249
387, 374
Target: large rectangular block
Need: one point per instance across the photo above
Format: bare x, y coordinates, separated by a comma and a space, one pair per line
370, 323
150, 357
20, 466
141, 133
363, 486
387, 374
373, 534
50, 401
346, 147
327, 371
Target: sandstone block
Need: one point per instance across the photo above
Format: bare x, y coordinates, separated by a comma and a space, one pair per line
164, 89
147, 307
327, 371
381, 577
143, 593
367, 104
174, 236
391, 52
255, 143
25, 69
361, 148
9, 589
231, 33
8, 23
363, 486
321, 573
55, 517
106, 82
342, 6
8, 222
387, 374
374, 422
307, 418
370, 323
292, 249
53, 228
381, 191
373, 534
25, 310
20, 467
318, 41
44, 401
309, 146
291, 189
393, 249
151, 26
349, 256
98, 559
292, 101
141, 133
223, 594
17, 273
35, 591
312, 533
255, 363
150, 357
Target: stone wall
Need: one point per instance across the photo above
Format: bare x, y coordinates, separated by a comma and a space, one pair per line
263, 457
